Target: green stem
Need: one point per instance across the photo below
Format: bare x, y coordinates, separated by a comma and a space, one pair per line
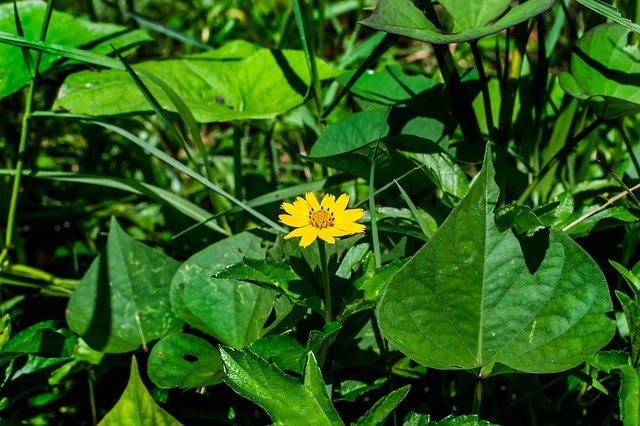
477, 397
325, 281
484, 81
22, 149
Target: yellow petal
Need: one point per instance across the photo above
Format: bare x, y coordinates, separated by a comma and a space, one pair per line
350, 215
342, 203
296, 209
309, 237
312, 200
328, 201
328, 234
294, 221
350, 228
308, 234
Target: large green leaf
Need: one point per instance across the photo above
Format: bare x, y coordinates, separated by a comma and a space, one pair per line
477, 298
185, 361
232, 311
472, 19
123, 299
136, 407
64, 29
284, 398
604, 71
215, 85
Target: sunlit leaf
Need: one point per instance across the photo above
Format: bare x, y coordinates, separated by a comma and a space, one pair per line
477, 298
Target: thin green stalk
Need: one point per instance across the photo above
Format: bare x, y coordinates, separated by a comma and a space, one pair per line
22, 149
477, 397
484, 82
325, 281
92, 398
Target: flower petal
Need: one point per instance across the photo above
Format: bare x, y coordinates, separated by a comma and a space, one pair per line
350, 215
341, 203
296, 209
295, 221
309, 236
350, 228
312, 200
328, 201
328, 234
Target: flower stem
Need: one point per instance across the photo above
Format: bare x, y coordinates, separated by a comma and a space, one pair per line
17, 178
325, 281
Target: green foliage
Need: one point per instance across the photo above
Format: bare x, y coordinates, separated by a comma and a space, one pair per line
471, 19
602, 67
65, 29
285, 398
136, 407
122, 301
485, 301
147, 148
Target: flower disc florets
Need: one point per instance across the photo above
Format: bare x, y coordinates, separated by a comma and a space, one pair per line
326, 220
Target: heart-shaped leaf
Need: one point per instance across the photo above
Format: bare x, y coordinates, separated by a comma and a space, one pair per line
232, 311
123, 299
477, 298
605, 71
472, 19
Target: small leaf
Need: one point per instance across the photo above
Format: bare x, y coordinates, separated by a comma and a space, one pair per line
271, 274
629, 395
608, 360
284, 398
350, 390
136, 407
185, 361
630, 277
123, 299
378, 414
631, 310
43, 340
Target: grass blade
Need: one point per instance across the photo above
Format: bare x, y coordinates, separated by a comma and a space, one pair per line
168, 160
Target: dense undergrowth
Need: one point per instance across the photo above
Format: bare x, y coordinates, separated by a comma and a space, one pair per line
165, 259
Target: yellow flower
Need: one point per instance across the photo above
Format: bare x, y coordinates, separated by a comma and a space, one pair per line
327, 220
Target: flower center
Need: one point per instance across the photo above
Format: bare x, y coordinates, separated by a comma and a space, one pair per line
321, 218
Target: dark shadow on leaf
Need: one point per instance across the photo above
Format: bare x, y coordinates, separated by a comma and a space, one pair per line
534, 249
293, 79
99, 329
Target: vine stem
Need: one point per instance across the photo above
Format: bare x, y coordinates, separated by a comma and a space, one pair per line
602, 207
325, 281
17, 180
